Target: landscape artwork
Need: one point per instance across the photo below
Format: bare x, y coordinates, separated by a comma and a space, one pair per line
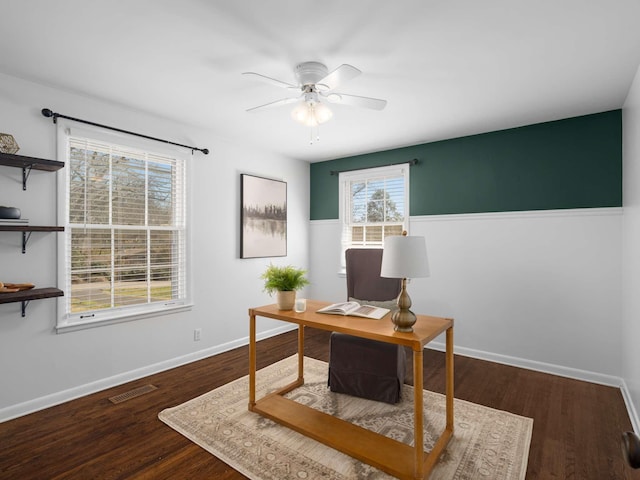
264, 217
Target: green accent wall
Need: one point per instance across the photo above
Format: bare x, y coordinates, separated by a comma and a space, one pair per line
571, 163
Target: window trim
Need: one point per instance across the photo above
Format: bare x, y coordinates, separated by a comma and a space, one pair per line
67, 322
344, 178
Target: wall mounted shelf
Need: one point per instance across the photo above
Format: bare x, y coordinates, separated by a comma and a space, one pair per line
25, 296
26, 231
29, 163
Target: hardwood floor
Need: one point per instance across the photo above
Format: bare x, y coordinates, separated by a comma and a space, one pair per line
576, 430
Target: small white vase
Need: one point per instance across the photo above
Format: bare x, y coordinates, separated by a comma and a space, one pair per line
285, 300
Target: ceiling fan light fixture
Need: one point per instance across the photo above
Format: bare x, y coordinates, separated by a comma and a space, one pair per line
322, 112
311, 113
316, 83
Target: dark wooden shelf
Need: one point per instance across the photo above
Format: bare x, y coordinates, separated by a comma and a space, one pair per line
20, 161
30, 228
33, 294
25, 296
29, 163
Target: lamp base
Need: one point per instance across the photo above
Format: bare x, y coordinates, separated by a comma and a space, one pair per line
403, 320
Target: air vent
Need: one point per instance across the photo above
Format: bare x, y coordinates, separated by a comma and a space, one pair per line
136, 392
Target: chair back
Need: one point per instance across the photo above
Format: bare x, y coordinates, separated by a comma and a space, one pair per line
363, 276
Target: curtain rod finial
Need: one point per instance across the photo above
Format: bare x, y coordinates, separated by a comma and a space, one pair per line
48, 113
205, 151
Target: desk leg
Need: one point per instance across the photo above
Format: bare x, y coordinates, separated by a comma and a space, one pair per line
449, 380
252, 360
418, 411
301, 354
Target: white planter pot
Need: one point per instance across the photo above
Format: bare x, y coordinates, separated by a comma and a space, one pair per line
286, 300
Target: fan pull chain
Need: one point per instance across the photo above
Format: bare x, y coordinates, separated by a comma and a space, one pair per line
317, 132
315, 125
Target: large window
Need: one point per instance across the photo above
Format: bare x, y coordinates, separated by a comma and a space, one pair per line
374, 204
125, 245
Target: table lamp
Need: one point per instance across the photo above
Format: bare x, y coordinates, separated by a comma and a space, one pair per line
404, 257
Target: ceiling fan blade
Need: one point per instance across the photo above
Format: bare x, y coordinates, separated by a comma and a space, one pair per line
277, 103
356, 101
339, 76
272, 81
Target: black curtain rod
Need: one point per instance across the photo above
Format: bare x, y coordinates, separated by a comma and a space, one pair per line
48, 113
410, 162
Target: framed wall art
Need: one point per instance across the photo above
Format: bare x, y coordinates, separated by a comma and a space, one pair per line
263, 217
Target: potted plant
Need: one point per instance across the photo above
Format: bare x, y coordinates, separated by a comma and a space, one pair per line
284, 281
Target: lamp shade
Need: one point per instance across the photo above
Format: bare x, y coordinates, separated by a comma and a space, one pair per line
404, 257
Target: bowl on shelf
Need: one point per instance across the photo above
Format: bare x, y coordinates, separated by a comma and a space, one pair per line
11, 213
15, 287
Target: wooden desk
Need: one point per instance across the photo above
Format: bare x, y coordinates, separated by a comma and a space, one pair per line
391, 456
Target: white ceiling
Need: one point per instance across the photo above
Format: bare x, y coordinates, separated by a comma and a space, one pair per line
447, 68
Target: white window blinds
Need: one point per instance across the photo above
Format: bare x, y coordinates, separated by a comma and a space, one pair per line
125, 246
374, 205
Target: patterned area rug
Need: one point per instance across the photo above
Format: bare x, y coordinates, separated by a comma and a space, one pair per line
487, 443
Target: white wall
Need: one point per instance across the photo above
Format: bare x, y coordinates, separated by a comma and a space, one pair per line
536, 289
631, 248
39, 367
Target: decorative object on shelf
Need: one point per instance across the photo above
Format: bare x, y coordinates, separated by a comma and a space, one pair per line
284, 281
11, 213
14, 221
8, 144
404, 257
17, 287
263, 231
7, 289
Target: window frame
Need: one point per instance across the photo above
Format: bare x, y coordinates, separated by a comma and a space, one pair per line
67, 321
365, 174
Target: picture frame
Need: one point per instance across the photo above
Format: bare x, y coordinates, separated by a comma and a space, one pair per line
263, 217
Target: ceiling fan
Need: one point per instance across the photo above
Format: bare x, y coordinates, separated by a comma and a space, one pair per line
316, 87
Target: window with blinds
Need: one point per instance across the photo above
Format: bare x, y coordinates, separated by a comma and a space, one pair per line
125, 247
374, 205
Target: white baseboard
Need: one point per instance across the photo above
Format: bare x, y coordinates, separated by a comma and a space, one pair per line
57, 398
575, 373
633, 414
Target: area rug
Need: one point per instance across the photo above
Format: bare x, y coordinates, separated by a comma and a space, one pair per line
487, 443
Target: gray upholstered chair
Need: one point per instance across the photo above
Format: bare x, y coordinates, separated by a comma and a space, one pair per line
358, 366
